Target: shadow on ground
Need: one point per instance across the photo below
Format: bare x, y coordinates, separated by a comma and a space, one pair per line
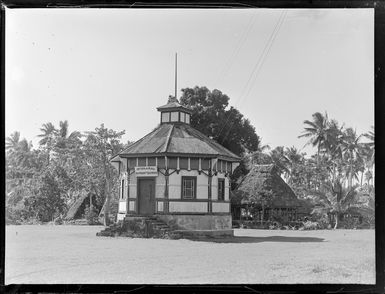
247, 239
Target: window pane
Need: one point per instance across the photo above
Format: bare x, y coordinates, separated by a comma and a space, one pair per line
188, 187
165, 116
215, 165
194, 163
174, 116
188, 184
161, 162
182, 117
205, 163
183, 162
221, 189
151, 161
122, 190
172, 161
142, 161
187, 118
229, 167
132, 162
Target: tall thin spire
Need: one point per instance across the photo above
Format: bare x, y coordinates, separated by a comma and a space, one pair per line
176, 71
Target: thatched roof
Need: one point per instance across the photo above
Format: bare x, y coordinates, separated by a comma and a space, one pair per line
76, 205
264, 178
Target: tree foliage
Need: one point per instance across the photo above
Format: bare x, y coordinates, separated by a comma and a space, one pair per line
213, 117
42, 183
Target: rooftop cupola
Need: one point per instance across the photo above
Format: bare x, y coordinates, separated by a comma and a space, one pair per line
174, 112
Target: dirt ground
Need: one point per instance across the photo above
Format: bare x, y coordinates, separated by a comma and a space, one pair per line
74, 254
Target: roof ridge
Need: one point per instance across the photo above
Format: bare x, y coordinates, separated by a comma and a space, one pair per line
168, 138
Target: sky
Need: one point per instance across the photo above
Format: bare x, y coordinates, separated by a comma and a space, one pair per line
115, 66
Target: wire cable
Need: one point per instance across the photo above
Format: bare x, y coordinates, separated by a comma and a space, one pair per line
257, 68
237, 49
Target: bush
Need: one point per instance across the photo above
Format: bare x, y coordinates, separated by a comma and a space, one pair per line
309, 225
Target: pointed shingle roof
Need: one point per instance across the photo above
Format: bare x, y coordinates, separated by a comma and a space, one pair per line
178, 140
173, 104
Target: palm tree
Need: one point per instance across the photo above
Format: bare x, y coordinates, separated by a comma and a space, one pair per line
294, 160
63, 140
48, 137
334, 199
12, 142
18, 150
351, 148
369, 154
370, 136
318, 131
280, 160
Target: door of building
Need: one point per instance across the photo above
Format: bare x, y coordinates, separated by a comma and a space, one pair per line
146, 195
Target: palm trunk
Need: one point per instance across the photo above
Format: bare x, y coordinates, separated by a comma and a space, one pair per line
336, 219
108, 194
107, 205
350, 177
262, 214
362, 176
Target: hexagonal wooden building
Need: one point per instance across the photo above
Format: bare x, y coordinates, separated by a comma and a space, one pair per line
177, 174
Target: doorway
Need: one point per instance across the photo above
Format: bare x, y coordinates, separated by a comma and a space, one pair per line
146, 195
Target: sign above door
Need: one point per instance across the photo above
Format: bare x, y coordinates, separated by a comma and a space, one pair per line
146, 171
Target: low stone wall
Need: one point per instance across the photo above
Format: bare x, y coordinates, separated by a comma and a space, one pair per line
197, 222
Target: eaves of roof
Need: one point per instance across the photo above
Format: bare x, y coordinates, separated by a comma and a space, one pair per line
177, 140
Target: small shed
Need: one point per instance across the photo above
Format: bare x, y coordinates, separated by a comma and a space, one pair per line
266, 194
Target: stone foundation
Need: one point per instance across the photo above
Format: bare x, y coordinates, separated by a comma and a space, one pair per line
196, 222
172, 227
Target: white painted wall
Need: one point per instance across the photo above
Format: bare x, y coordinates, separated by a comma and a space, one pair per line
132, 205
175, 182
184, 206
214, 187
202, 186
122, 206
160, 206
160, 186
133, 187
221, 207
227, 196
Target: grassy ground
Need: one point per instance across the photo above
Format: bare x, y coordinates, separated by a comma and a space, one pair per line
73, 254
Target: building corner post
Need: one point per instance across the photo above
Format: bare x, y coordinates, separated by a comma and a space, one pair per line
210, 180
166, 202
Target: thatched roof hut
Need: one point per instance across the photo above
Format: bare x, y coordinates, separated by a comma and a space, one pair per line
265, 179
75, 207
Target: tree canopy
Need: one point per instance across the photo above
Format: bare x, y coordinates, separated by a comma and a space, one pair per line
213, 117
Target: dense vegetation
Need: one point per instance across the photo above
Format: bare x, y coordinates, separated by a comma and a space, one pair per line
337, 179
42, 182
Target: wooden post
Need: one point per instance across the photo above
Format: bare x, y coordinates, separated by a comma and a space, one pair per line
128, 192
166, 203
210, 179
